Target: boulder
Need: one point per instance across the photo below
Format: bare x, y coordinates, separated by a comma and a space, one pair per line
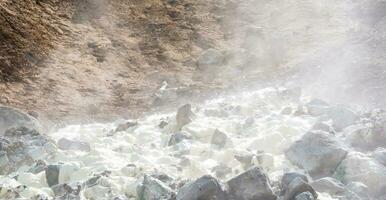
245, 158
206, 187
153, 189
23, 146
66, 144
361, 137
12, 117
328, 185
317, 152
219, 139
359, 189
305, 196
38, 167
251, 184
184, 116
265, 161
210, 58
298, 186
178, 137
289, 177
52, 175
358, 167
341, 117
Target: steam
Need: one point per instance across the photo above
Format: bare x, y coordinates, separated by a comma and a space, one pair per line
326, 46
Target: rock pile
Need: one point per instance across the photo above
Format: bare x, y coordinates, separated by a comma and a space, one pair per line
245, 154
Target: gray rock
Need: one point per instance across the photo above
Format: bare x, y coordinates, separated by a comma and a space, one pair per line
22, 146
12, 117
296, 187
304, 196
206, 187
38, 167
342, 117
67, 191
125, 126
153, 189
52, 175
251, 184
66, 144
162, 124
210, 57
359, 189
361, 137
179, 137
289, 177
4, 161
328, 185
184, 116
245, 159
358, 167
317, 152
219, 139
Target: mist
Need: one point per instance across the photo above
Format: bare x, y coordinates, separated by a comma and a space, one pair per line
331, 49
197, 100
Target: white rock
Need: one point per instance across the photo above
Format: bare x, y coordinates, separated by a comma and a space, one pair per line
12, 117
342, 117
328, 185
359, 188
264, 160
357, 167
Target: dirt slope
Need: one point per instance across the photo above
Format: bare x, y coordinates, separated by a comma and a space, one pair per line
102, 58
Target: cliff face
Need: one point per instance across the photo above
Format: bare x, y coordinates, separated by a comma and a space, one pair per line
28, 29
